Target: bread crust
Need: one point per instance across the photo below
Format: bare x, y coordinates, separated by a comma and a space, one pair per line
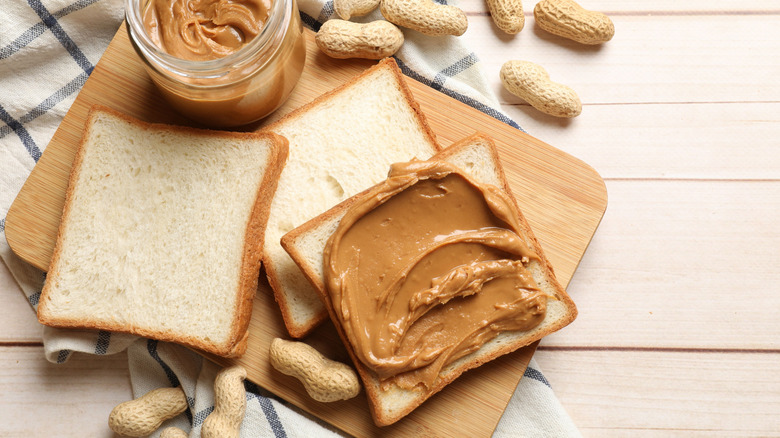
251, 254
487, 353
295, 330
300, 330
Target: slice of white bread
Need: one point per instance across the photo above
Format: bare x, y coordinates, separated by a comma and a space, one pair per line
477, 157
340, 143
162, 232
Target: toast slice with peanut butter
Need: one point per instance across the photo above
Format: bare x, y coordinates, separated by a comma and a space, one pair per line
430, 273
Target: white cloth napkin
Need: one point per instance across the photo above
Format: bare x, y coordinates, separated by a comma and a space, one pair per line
48, 48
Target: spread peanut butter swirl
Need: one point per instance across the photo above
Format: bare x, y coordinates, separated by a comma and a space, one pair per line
426, 268
202, 30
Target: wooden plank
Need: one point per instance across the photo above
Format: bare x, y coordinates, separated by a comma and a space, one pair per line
65, 400
683, 264
666, 394
736, 62
562, 197
664, 141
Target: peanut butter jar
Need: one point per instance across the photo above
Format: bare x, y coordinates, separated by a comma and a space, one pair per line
238, 74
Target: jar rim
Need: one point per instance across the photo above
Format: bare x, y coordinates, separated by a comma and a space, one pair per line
278, 18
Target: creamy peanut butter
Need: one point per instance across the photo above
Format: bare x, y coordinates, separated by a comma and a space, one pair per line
427, 268
233, 61
201, 30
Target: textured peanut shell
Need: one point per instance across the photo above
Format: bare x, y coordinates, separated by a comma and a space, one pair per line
425, 16
325, 380
144, 415
173, 432
507, 15
570, 20
531, 82
347, 9
345, 39
229, 404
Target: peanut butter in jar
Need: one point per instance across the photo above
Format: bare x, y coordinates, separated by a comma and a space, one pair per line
221, 63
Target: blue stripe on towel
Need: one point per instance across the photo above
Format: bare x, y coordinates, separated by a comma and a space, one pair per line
310, 22
492, 112
70, 88
58, 96
63, 355
21, 131
38, 29
48, 21
457, 68
75, 6
33, 299
103, 341
151, 347
24, 39
326, 12
200, 417
51, 22
454, 69
537, 375
268, 409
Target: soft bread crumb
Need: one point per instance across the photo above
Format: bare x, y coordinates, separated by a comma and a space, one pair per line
153, 240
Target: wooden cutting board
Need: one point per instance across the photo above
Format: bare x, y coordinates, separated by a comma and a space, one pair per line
562, 198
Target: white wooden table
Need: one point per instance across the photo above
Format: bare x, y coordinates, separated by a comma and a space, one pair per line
679, 293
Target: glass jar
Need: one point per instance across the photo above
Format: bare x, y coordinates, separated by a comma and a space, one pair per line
237, 89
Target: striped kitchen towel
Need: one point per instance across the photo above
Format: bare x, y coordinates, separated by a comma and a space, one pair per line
48, 48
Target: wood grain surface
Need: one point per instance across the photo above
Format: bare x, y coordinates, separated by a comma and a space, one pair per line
676, 334
562, 197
